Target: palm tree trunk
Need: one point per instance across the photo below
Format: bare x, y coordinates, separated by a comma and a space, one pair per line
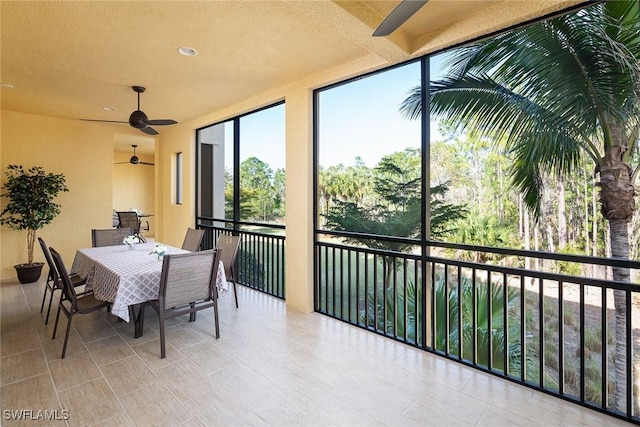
562, 216
618, 205
527, 240
586, 217
619, 246
594, 222
536, 244
501, 194
520, 216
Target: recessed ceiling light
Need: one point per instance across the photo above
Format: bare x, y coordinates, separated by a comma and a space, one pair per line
110, 108
187, 51
6, 85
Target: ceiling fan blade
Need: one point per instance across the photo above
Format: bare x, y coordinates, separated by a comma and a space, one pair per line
139, 163
138, 119
149, 130
398, 16
161, 122
105, 121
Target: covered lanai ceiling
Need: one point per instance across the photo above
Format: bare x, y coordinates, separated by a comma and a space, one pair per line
72, 59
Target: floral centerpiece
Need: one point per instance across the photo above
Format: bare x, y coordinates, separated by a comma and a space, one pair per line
131, 242
158, 250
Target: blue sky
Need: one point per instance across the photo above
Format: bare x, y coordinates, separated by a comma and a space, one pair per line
263, 136
362, 118
357, 119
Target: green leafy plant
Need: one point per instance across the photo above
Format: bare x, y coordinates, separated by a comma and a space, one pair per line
31, 205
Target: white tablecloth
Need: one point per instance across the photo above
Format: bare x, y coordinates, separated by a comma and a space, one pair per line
126, 277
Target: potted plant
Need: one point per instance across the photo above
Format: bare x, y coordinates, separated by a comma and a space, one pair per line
30, 207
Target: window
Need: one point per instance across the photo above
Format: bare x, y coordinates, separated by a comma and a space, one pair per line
262, 168
178, 181
241, 173
369, 156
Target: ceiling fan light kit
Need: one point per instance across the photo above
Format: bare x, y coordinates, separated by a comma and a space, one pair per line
187, 51
139, 120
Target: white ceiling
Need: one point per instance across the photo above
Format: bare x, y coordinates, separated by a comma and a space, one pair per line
70, 59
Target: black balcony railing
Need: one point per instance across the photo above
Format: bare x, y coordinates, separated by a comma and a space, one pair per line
547, 321
260, 259
548, 326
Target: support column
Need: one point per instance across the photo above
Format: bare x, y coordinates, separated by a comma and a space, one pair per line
299, 199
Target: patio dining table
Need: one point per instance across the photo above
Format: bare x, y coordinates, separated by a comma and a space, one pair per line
127, 277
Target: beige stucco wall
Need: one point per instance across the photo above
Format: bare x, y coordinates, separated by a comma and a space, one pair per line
84, 154
134, 186
299, 198
172, 220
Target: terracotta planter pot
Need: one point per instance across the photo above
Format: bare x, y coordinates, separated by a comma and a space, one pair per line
29, 273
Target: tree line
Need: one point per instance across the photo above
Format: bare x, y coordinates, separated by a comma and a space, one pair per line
262, 195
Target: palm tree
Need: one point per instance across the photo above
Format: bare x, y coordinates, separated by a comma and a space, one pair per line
489, 341
555, 92
478, 228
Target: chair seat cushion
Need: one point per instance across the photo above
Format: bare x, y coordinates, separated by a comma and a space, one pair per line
89, 302
75, 281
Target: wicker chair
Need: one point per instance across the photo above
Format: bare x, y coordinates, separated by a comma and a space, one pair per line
72, 303
229, 245
53, 282
192, 240
187, 285
109, 236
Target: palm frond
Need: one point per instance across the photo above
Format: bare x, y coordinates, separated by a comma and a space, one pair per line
547, 91
411, 107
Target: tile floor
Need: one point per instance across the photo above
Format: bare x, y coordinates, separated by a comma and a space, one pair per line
272, 366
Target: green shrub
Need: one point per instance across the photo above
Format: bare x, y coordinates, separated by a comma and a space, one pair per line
592, 340
569, 316
571, 376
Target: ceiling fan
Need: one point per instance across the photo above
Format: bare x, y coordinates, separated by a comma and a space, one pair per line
138, 119
398, 16
134, 160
